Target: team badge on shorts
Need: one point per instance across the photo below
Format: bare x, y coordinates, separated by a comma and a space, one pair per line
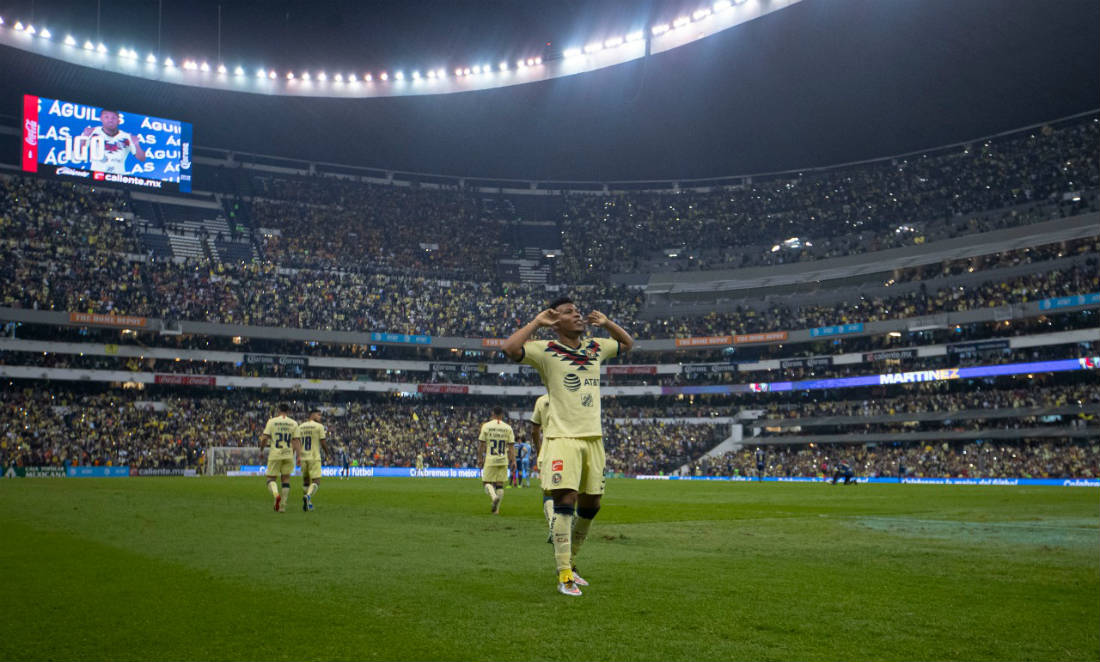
556, 479
557, 465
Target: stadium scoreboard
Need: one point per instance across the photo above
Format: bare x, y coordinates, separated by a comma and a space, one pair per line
73, 140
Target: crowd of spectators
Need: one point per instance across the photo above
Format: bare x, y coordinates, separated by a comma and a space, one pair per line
1028, 458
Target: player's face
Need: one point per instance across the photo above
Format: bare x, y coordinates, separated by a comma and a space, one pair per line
570, 320
110, 120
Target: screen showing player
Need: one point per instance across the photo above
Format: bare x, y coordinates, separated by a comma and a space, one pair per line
105, 144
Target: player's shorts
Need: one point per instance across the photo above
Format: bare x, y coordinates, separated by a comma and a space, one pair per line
311, 468
573, 464
282, 467
494, 473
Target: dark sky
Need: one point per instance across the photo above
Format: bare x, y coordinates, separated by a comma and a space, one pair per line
822, 82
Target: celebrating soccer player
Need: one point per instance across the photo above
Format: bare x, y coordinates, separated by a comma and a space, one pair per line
281, 433
116, 144
573, 458
314, 447
496, 443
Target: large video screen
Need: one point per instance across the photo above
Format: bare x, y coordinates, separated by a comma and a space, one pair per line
105, 144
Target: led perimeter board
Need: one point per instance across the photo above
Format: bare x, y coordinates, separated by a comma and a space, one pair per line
69, 139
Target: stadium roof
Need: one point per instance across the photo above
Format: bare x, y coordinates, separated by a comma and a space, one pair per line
817, 83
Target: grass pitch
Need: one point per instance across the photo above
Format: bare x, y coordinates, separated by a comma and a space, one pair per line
417, 569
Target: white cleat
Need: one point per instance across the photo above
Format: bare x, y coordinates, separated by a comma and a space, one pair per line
578, 580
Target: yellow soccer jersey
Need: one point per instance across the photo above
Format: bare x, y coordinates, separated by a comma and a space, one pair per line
497, 436
572, 379
281, 429
541, 414
311, 433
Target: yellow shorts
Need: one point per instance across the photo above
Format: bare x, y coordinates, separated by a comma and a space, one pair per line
311, 468
573, 464
494, 473
280, 467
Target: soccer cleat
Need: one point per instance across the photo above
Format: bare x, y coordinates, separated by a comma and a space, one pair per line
305, 504
567, 584
278, 501
577, 579
496, 506
309, 502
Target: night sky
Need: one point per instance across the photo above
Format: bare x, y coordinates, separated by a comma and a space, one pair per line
822, 82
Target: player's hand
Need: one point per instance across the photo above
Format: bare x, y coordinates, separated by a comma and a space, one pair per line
87, 131
548, 317
596, 318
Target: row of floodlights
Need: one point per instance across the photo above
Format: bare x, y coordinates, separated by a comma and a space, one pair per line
431, 74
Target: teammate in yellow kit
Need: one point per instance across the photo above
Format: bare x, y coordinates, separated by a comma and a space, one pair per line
497, 446
281, 434
573, 459
314, 448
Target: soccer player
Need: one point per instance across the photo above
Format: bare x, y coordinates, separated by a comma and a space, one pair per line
539, 418
345, 459
844, 470
759, 463
281, 433
574, 457
116, 144
314, 447
523, 457
496, 443
420, 463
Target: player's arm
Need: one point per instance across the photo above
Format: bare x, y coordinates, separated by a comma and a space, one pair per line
324, 446
481, 450
536, 437
139, 151
512, 456
513, 345
596, 318
265, 441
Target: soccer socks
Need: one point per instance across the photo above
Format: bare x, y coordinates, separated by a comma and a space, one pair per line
273, 488
312, 489
286, 492
491, 491
562, 527
548, 508
581, 523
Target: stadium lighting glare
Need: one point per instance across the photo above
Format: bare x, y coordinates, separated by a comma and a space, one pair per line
204, 67
322, 76
400, 75
101, 48
571, 53
442, 73
660, 29
369, 78
431, 74
31, 30
89, 46
190, 65
260, 73
458, 72
681, 22
290, 75
593, 48
384, 76
339, 78
700, 14
520, 64
352, 78
538, 60
239, 71
416, 75
18, 27
271, 74
722, 5
634, 36
477, 69
221, 69
305, 75
168, 63
1, 20
45, 34
151, 59
613, 42
69, 41
466, 71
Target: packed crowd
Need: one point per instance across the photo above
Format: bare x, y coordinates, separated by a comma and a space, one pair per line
841, 211
1029, 458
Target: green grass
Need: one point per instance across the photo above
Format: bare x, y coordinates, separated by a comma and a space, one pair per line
200, 568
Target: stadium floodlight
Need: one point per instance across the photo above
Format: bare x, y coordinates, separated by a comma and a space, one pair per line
45, 34
477, 68
538, 60
660, 28
339, 78
400, 75
613, 42
239, 71
128, 53
369, 78
290, 75
305, 75
31, 30
189, 65
722, 5
700, 14
204, 67
416, 75
221, 69
458, 72
466, 71
520, 64
635, 36
260, 73
151, 59
101, 48
271, 74
322, 76
594, 47
1, 20
442, 73
504, 66
571, 53
431, 74
69, 40
384, 76
352, 78
681, 22
18, 27
89, 46
168, 63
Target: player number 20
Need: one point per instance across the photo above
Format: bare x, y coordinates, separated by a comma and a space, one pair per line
496, 447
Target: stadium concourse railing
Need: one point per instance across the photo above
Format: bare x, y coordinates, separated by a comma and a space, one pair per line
443, 368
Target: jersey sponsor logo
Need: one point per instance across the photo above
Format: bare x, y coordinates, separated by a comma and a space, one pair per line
571, 382
557, 465
581, 357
